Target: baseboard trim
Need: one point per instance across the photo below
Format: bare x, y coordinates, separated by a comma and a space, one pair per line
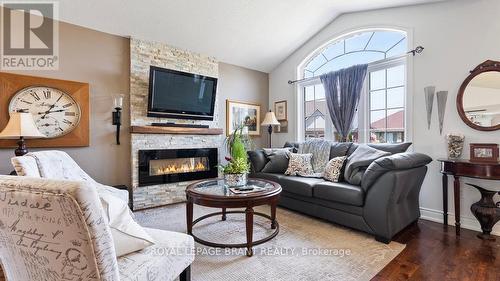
466, 222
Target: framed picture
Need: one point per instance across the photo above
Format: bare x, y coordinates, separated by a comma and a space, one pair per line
484, 152
238, 113
280, 110
282, 128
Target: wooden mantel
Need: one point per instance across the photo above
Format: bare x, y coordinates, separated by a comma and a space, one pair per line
175, 130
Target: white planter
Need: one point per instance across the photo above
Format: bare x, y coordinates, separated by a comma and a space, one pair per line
236, 179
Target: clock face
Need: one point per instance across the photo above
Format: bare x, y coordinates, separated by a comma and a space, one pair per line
55, 112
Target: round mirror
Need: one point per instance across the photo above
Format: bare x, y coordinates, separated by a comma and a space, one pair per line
478, 101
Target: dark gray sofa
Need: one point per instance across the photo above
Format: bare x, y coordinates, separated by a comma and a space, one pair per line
386, 201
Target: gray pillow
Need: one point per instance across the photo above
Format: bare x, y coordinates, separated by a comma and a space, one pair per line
258, 160
359, 161
277, 160
393, 148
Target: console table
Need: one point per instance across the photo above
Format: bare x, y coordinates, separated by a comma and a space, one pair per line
464, 168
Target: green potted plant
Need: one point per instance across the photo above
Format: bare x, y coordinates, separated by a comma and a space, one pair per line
237, 169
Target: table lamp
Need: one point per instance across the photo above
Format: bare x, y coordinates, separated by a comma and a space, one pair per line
270, 120
21, 126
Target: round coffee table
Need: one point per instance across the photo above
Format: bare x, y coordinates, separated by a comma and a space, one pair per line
214, 193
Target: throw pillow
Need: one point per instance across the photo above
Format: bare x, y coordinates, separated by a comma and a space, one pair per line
128, 235
300, 165
359, 160
257, 159
333, 168
277, 160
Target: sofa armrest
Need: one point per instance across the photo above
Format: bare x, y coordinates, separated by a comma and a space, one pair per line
400, 161
392, 202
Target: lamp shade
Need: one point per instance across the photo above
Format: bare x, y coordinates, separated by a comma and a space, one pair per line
270, 119
20, 124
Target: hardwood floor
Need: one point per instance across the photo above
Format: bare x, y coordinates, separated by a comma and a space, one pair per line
434, 252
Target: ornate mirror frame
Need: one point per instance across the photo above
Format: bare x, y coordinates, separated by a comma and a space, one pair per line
486, 66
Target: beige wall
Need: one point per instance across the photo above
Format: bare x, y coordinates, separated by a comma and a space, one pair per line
242, 84
102, 60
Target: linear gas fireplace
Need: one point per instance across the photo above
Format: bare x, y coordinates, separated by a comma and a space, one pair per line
175, 165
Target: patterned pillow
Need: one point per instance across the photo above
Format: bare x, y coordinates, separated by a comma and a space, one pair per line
333, 168
300, 165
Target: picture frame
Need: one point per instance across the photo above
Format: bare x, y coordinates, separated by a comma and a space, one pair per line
282, 128
280, 109
484, 152
238, 112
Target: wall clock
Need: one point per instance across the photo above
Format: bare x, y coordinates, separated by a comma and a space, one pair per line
60, 108
55, 112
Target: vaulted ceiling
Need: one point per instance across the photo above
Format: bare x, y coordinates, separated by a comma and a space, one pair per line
257, 34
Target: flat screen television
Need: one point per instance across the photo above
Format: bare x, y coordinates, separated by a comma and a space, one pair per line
181, 95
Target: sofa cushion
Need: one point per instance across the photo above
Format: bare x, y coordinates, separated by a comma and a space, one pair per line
358, 161
293, 145
257, 159
277, 160
268, 176
339, 149
339, 192
299, 185
393, 148
164, 260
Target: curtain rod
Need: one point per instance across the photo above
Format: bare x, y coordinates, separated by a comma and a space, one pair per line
417, 50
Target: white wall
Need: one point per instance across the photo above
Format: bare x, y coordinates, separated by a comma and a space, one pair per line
457, 36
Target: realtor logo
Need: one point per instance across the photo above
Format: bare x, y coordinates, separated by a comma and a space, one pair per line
30, 36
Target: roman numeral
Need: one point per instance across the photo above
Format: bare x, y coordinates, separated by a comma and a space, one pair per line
35, 95
67, 105
47, 94
26, 102
67, 122
70, 113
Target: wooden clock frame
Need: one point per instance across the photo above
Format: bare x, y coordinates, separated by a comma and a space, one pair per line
11, 83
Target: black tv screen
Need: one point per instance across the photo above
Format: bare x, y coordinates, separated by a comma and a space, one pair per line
181, 95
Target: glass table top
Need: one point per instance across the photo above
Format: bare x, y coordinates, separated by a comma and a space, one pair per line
219, 188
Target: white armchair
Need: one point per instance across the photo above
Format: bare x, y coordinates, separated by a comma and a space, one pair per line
55, 164
53, 230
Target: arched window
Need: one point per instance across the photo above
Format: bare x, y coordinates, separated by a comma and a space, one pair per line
381, 114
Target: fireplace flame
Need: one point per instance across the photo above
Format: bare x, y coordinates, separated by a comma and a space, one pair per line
176, 168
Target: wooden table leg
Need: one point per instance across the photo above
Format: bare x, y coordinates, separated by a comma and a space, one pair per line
273, 214
189, 216
456, 192
445, 199
249, 226
223, 214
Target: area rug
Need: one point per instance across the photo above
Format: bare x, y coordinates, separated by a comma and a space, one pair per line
305, 248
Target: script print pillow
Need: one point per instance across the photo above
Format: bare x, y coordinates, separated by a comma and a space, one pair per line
300, 165
333, 169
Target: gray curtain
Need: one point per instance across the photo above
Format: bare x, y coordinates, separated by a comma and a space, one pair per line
342, 91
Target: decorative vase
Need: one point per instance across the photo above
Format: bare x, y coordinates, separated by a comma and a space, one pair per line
486, 212
236, 179
455, 145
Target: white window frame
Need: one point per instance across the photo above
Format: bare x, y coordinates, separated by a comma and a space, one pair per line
364, 106
363, 117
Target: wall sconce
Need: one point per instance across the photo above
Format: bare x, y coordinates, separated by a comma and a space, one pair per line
117, 116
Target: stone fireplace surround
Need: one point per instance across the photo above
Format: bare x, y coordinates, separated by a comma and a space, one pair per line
143, 54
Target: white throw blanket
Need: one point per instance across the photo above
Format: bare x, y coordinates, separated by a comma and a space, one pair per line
320, 149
